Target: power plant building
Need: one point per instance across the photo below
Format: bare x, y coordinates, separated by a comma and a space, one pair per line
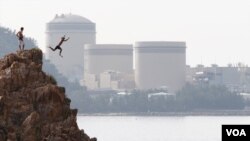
107, 65
236, 78
81, 31
147, 65
160, 64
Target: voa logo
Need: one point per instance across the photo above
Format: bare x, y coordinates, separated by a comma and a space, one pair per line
236, 132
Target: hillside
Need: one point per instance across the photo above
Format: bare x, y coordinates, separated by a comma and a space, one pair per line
9, 41
32, 106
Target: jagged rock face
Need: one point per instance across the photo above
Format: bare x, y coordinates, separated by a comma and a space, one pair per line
32, 106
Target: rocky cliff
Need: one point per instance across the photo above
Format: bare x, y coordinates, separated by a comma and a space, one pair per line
32, 106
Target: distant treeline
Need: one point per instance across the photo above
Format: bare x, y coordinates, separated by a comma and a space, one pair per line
190, 98
9, 41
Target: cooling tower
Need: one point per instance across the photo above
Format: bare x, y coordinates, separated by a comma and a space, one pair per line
160, 64
103, 57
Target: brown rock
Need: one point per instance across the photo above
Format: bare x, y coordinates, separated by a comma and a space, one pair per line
32, 106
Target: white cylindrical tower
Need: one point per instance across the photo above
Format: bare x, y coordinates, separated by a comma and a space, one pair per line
102, 57
81, 31
160, 64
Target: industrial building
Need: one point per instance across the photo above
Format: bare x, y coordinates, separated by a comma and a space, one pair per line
160, 64
108, 66
236, 78
81, 31
146, 65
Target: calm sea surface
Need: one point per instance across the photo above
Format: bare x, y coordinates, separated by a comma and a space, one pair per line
153, 128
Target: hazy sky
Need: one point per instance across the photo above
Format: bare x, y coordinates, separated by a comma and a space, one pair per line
216, 31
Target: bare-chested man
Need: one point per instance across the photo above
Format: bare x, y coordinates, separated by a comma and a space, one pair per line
20, 38
59, 45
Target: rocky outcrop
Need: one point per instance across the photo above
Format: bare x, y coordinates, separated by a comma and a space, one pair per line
32, 106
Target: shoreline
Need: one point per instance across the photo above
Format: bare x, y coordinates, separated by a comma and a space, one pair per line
193, 113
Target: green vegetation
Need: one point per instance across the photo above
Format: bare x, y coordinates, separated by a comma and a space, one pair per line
190, 98
209, 97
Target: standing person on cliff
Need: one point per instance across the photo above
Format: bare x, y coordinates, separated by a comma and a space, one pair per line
59, 45
20, 38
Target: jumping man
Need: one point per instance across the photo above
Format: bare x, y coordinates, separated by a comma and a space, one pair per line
20, 38
59, 45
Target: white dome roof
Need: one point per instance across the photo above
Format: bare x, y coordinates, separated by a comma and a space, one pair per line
69, 18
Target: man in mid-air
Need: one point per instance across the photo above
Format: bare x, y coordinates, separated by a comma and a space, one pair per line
59, 45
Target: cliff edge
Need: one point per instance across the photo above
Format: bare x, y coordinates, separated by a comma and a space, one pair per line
32, 106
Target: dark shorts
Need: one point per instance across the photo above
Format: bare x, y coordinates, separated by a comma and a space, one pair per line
21, 39
58, 47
